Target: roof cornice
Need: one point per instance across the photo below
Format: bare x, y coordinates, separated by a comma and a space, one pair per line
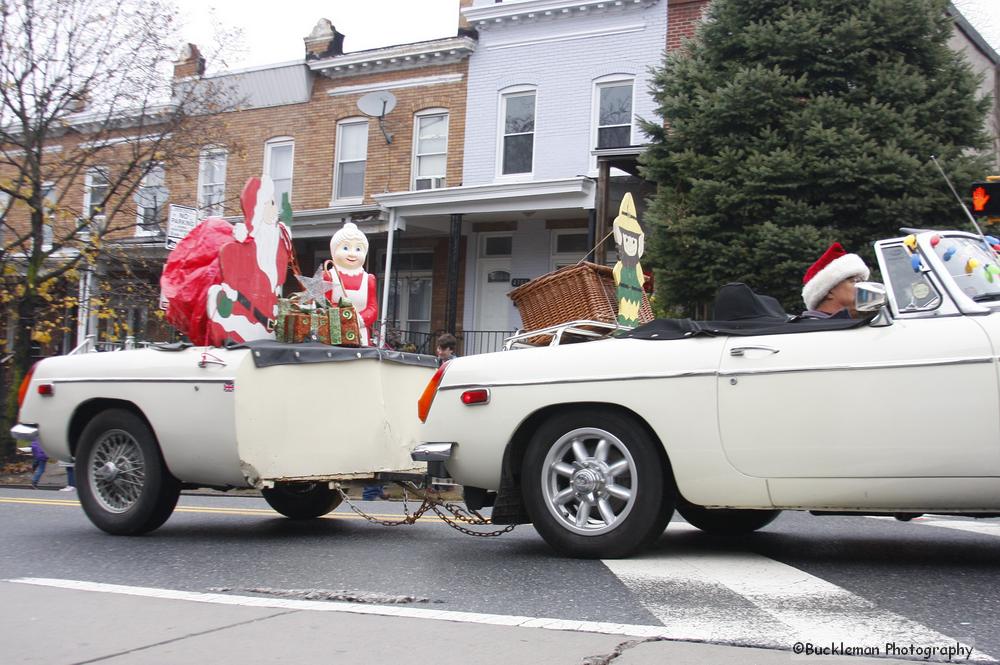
392, 58
486, 16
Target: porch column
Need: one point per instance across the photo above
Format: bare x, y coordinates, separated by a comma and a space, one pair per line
603, 181
591, 233
454, 243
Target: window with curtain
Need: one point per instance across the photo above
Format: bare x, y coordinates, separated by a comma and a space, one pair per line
352, 155
212, 181
430, 150
278, 162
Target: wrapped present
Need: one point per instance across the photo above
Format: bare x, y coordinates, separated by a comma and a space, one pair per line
328, 325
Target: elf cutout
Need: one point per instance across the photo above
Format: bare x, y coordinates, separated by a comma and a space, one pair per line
349, 247
628, 273
253, 266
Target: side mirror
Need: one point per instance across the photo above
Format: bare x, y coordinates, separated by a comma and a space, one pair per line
869, 296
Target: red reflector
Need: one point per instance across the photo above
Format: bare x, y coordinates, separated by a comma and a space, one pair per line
481, 396
46, 389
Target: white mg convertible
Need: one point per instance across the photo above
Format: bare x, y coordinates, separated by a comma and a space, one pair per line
292, 420
731, 421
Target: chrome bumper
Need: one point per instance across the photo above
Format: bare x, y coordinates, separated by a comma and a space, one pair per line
24, 432
432, 452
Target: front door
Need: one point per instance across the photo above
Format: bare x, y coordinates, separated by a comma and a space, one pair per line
873, 402
493, 307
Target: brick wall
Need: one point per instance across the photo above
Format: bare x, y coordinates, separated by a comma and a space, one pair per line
684, 18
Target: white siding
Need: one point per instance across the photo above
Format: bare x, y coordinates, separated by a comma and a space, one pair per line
561, 57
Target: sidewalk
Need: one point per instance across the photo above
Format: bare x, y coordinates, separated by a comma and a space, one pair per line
56, 626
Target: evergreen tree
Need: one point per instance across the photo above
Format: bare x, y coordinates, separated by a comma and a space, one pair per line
790, 124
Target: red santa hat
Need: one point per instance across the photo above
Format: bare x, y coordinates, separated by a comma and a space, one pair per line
831, 269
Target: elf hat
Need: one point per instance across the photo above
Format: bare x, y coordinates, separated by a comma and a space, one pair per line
831, 269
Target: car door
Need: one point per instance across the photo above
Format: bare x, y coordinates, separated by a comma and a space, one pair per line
916, 398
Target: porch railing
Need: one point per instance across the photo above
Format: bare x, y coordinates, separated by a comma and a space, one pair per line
470, 342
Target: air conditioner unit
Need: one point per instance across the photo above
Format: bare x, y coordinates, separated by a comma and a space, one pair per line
429, 183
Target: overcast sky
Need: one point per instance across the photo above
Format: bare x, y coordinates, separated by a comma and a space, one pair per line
273, 32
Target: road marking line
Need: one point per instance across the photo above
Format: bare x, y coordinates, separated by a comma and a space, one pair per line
970, 524
782, 604
631, 630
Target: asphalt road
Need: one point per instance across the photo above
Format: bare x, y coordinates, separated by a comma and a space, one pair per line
862, 581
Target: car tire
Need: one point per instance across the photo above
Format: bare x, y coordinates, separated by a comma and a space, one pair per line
122, 481
302, 501
725, 521
593, 484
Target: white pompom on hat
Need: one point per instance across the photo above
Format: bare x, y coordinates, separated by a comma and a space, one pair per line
831, 269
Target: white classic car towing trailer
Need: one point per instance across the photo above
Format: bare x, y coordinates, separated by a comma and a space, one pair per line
293, 420
597, 443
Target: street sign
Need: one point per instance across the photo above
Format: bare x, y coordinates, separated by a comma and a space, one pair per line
179, 223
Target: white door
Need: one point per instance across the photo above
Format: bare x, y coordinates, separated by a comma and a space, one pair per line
901, 401
493, 307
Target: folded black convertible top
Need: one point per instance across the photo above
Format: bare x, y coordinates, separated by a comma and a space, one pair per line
740, 312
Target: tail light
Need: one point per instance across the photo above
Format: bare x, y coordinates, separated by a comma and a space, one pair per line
25, 382
427, 398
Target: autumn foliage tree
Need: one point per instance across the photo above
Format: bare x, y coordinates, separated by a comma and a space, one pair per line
87, 103
788, 124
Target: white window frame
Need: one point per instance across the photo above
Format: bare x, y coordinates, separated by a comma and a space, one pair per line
48, 230
335, 197
505, 94
437, 181
217, 209
140, 230
95, 221
271, 144
595, 111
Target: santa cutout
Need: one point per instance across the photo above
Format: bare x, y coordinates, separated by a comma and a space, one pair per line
254, 266
349, 247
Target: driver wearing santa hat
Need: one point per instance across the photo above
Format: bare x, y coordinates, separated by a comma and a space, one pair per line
828, 285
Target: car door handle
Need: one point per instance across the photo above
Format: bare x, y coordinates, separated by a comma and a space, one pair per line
741, 350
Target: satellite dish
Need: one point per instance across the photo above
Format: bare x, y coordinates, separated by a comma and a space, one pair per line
376, 105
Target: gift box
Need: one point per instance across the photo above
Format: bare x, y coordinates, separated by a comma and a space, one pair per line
328, 325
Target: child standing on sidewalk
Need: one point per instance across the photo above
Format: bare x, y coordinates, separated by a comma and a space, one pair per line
38, 461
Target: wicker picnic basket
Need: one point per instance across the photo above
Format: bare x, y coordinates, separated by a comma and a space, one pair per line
583, 291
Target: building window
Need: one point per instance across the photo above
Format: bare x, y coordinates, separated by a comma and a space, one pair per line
95, 194
49, 201
151, 201
352, 155
212, 181
496, 246
410, 290
4, 205
569, 247
614, 114
518, 117
279, 155
430, 149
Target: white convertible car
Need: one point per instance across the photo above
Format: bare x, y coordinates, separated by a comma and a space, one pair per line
292, 420
729, 422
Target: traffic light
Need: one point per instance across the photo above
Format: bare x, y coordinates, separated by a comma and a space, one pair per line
986, 198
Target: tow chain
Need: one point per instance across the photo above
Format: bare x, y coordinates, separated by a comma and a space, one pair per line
458, 514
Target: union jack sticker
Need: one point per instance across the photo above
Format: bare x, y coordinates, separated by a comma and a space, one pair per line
228, 387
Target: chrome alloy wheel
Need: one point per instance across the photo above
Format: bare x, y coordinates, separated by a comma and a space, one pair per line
117, 471
589, 481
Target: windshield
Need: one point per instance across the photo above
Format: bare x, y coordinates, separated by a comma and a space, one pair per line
972, 265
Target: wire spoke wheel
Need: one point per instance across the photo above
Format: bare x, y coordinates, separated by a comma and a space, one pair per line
589, 481
117, 471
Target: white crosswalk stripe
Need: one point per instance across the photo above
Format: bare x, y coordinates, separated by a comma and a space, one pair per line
751, 600
985, 526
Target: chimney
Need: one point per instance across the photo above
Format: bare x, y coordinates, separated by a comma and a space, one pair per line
189, 63
463, 25
324, 41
